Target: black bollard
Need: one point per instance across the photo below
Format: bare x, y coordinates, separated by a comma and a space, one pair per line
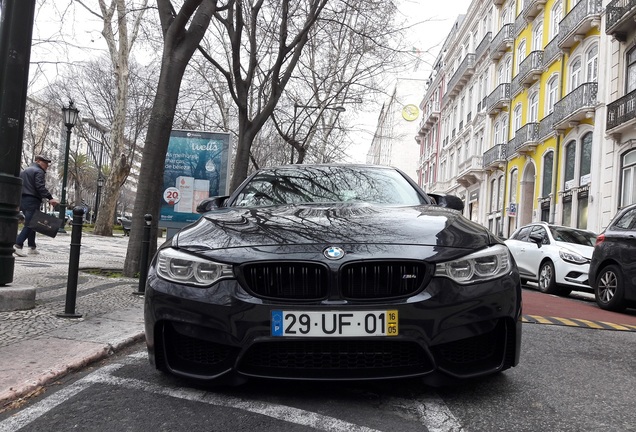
73, 265
143, 260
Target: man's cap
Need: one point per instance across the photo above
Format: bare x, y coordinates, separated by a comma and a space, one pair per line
42, 158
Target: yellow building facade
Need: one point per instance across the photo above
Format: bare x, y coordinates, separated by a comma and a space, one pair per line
551, 113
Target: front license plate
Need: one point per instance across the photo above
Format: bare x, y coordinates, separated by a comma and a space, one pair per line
334, 323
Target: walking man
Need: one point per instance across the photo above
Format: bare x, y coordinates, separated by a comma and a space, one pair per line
33, 191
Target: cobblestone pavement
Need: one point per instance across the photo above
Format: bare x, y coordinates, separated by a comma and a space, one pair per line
47, 272
37, 346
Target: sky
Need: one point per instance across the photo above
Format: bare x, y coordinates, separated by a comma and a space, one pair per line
429, 21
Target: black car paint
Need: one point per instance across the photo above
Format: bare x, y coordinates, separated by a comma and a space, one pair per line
618, 248
229, 314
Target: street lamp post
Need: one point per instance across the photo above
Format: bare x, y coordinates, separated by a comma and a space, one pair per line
339, 109
100, 184
70, 117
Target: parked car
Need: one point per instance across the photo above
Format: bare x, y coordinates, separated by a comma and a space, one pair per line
613, 267
332, 272
556, 257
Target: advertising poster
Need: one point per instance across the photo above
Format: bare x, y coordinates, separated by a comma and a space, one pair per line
196, 168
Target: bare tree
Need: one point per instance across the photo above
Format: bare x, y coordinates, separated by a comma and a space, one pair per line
182, 32
117, 17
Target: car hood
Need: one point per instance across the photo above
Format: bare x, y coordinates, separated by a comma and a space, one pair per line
340, 224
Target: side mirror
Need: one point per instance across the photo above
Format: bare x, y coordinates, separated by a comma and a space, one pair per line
537, 238
212, 203
448, 201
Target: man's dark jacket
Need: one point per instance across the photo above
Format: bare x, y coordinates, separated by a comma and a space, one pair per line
33, 182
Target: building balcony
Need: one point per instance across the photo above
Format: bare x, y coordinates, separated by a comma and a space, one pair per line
546, 127
515, 86
495, 157
461, 76
502, 42
470, 171
498, 100
533, 8
585, 15
531, 68
519, 25
525, 140
577, 105
620, 18
621, 114
430, 116
483, 46
551, 52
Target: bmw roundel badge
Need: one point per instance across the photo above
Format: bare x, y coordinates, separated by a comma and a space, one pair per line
334, 253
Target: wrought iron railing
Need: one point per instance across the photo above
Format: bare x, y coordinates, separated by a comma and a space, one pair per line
533, 62
617, 9
546, 127
483, 46
466, 64
493, 155
551, 52
579, 12
500, 94
584, 96
528, 134
515, 85
501, 39
510, 149
520, 24
621, 110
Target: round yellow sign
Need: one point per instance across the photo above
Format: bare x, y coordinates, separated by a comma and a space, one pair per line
410, 112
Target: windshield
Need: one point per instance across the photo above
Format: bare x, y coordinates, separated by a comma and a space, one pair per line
328, 184
574, 236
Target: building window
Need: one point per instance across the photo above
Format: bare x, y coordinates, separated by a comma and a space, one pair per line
537, 36
498, 139
575, 73
514, 177
516, 119
631, 70
591, 61
493, 195
556, 14
570, 163
628, 179
586, 159
553, 94
548, 160
533, 108
508, 70
521, 53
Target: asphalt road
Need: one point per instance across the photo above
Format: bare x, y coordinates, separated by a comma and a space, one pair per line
569, 379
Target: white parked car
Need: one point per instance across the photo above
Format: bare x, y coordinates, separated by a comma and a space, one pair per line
556, 257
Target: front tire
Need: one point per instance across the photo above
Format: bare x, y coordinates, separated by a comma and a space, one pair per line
547, 279
608, 290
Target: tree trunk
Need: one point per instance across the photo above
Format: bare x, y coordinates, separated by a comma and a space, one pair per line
179, 45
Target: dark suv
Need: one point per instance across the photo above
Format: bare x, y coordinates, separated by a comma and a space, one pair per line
613, 267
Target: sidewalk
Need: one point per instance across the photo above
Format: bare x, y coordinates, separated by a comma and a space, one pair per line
37, 347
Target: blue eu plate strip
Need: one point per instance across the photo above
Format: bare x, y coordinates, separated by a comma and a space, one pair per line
277, 323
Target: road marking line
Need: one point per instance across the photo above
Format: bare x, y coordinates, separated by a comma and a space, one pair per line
576, 322
431, 411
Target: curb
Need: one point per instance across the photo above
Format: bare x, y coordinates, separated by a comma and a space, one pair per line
28, 387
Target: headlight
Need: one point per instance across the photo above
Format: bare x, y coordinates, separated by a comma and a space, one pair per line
486, 264
572, 257
183, 268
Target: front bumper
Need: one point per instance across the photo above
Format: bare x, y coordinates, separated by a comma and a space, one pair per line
573, 275
223, 334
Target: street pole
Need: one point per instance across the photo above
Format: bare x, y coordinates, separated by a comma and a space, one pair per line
16, 29
70, 117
